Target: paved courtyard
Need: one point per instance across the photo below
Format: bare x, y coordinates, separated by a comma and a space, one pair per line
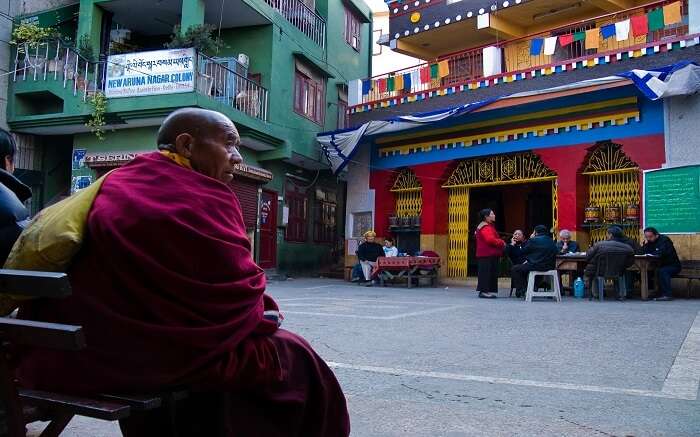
441, 362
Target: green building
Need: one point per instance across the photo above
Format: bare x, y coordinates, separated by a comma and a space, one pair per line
280, 73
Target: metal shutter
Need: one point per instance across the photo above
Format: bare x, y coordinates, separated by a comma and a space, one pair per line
247, 193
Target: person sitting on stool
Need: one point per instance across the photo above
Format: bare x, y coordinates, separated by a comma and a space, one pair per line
669, 264
540, 252
622, 257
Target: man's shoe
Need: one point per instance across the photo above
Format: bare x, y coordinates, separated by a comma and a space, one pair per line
621, 299
486, 295
663, 298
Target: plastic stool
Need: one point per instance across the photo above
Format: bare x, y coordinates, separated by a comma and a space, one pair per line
532, 292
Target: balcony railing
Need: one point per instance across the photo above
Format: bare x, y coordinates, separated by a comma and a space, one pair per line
467, 66
303, 18
57, 63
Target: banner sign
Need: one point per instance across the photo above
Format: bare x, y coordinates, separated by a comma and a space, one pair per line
150, 73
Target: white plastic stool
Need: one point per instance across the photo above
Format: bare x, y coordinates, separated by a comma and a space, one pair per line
532, 292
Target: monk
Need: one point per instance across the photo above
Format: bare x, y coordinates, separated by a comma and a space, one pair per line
169, 296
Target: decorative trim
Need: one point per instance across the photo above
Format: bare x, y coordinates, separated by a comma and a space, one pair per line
582, 123
608, 158
406, 181
499, 170
528, 74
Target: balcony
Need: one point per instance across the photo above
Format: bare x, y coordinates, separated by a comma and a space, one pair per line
50, 75
303, 18
466, 67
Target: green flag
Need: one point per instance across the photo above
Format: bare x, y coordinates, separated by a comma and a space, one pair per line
434, 71
390, 83
656, 20
579, 36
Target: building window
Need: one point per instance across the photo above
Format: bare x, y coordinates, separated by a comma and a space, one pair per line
325, 216
296, 223
343, 121
352, 30
309, 92
376, 47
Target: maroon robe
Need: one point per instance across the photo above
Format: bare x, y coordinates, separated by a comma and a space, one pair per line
169, 296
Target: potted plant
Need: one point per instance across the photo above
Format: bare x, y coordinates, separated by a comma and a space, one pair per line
28, 37
198, 36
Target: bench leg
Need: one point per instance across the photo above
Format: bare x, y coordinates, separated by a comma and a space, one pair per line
57, 425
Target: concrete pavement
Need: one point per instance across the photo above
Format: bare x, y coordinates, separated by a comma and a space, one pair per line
441, 362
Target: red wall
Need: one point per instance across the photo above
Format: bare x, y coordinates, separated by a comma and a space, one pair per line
647, 151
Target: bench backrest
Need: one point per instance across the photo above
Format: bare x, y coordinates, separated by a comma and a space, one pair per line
30, 333
690, 264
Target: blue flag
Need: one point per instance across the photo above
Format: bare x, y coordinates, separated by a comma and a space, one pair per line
536, 46
608, 31
366, 86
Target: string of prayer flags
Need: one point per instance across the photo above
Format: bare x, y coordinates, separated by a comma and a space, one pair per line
592, 38
434, 71
443, 68
656, 20
640, 25
536, 46
550, 45
565, 40
607, 31
622, 30
672, 13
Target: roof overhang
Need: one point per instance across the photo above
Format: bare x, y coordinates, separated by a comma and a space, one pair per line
318, 66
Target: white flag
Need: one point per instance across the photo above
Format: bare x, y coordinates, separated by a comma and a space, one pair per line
550, 44
622, 30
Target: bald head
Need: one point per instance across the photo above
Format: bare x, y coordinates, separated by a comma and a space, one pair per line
193, 121
208, 139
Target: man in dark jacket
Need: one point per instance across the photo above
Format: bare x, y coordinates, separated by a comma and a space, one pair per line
13, 193
367, 253
618, 253
669, 264
540, 252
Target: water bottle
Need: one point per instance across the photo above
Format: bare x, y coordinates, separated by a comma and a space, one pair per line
579, 288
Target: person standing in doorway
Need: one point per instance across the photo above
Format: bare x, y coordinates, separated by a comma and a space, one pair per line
489, 248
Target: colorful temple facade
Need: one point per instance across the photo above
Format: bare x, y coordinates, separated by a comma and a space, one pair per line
565, 149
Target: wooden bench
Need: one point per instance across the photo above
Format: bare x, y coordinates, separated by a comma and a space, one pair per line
21, 406
690, 270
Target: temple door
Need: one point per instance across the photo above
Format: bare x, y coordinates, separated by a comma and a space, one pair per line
268, 230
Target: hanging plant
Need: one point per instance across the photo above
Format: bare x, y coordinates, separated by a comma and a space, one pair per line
31, 35
198, 36
97, 122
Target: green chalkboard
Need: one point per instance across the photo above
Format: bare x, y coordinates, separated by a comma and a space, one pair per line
672, 199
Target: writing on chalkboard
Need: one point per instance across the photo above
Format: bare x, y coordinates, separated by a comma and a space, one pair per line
672, 199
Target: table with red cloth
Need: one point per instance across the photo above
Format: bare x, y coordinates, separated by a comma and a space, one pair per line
407, 266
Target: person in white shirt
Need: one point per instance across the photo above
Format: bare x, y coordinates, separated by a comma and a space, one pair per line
389, 248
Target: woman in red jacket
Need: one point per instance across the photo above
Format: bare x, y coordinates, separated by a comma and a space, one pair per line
489, 247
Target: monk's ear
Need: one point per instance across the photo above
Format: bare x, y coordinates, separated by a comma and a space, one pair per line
183, 145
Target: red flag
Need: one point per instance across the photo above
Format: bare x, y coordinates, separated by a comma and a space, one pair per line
425, 75
381, 83
640, 25
565, 40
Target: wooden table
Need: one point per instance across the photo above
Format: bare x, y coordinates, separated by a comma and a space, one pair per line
406, 266
642, 264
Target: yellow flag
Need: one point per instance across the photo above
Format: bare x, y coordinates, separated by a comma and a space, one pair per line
592, 38
672, 13
443, 68
398, 82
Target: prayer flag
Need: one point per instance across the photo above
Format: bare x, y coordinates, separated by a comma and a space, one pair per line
579, 36
672, 13
381, 84
366, 86
656, 20
433, 71
640, 25
607, 31
407, 81
592, 38
390, 83
550, 45
565, 40
443, 68
425, 74
536, 46
622, 30
415, 78
398, 82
